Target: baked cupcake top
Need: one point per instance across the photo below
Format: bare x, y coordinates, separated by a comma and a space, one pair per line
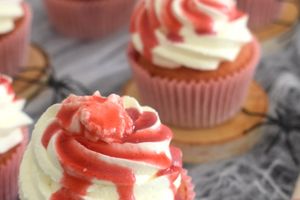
197, 34
93, 147
12, 118
10, 11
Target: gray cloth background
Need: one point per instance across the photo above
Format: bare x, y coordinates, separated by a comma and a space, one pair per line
102, 65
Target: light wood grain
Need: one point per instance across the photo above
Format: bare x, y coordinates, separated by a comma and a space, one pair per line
38, 60
296, 195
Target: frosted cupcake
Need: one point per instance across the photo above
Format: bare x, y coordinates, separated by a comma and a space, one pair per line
15, 21
88, 19
99, 148
261, 12
192, 61
13, 138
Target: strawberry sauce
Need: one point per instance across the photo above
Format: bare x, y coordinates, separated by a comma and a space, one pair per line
6, 82
147, 20
82, 157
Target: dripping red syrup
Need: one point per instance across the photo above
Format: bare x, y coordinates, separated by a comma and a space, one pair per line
7, 84
81, 166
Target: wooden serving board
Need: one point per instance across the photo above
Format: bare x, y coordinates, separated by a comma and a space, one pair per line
280, 32
36, 70
224, 141
296, 195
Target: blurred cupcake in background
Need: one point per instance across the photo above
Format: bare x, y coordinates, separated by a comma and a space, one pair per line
88, 19
15, 21
13, 138
261, 12
193, 61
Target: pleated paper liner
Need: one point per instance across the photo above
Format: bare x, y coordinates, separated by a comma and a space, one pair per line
28, 82
88, 19
279, 33
9, 171
14, 45
229, 139
261, 12
195, 104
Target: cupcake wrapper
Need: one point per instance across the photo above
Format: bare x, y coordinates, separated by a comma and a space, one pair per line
88, 19
14, 46
260, 12
193, 104
9, 172
188, 187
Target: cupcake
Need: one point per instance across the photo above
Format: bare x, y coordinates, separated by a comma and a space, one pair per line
13, 138
91, 147
261, 12
193, 61
88, 19
15, 23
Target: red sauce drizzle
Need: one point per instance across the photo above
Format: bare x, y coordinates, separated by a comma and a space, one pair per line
71, 184
202, 22
81, 160
52, 129
174, 170
232, 12
82, 166
6, 82
146, 21
147, 34
169, 21
175, 37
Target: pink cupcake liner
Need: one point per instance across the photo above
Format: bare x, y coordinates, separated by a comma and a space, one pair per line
88, 19
14, 46
194, 104
188, 187
261, 12
9, 172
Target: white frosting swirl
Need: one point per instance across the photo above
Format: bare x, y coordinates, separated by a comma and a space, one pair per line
206, 32
10, 11
41, 170
12, 118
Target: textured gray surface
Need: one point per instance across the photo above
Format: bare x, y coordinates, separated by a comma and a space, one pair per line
102, 65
